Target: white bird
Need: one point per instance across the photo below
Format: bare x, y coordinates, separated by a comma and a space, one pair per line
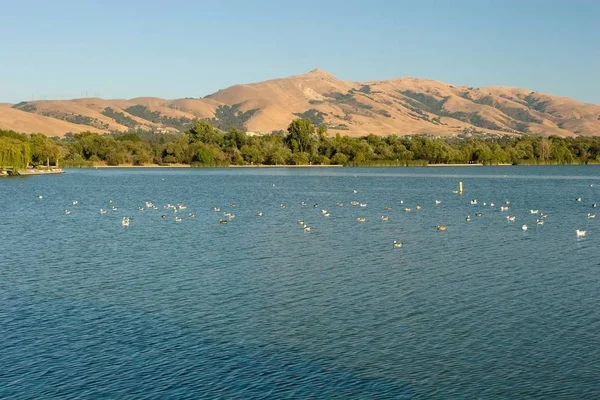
540, 222
468, 218
384, 218
326, 214
102, 211
438, 201
533, 211
524, 228
510, 218
398, 244
40, 197
125, 221
363, 204
401, 201
473, 201
306, 228
340, 204
75, 202
503, 208
579, 233
579, 199
67, 212
300, 222
361, 219
259, 213
355, 191
591, 216
491, 204
178, 219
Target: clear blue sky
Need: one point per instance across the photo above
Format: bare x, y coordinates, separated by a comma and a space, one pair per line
171, 49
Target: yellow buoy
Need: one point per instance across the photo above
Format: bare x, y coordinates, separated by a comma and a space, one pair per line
460, 187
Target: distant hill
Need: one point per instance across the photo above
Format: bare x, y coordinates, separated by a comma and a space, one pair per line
399, 106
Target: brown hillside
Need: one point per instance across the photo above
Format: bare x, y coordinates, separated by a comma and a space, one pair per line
397, 106
21, 121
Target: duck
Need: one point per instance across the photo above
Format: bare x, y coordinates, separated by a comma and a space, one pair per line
361, 219
580, 233
75, 202
418, 208
363, 204
384, 218
354, 203
591, 216
579, 199
223, 221
102, 211
523, 228
181, 206
178, 219
283, 205
306, 228
315, 205
355, 191
407, 209
233, 204
67, 212
540, 222
125, 221
507, 202
300, 222
511, 218
468, 219
114, 208
141, 208
387, 208
326, 214
398, 244
473, 201
441, 227
40, 197
192, 215
340, 204
594, 205
401, 201
478, 214
491, 204
533, 211
303, 203
503, 208
215, 209
438, 201
260, 214
164, 216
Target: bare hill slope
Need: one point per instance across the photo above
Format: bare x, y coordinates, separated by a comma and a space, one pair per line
397, 106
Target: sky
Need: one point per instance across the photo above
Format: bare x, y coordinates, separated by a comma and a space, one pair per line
64, 49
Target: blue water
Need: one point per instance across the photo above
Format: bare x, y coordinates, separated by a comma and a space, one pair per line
258, 308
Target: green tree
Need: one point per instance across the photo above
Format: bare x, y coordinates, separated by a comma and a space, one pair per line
302, 132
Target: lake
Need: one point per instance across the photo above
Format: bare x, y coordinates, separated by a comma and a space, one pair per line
260, 308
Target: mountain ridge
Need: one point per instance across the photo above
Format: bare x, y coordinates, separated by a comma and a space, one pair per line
404, 105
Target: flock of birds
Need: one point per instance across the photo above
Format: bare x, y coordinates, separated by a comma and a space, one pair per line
178, 212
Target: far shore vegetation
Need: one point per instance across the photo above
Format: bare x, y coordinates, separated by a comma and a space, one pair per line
204, 145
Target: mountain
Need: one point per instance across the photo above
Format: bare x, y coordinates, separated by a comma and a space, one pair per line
397, 106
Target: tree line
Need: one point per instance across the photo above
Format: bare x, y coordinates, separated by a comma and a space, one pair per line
302, 144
